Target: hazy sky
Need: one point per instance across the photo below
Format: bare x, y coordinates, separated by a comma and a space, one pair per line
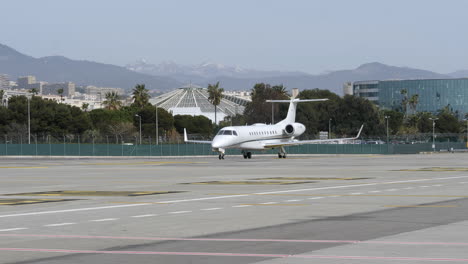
303, 35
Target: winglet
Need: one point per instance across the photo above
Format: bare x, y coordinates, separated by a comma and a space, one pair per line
185, 135
359, 133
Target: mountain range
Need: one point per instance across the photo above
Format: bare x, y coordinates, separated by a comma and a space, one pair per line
170, 75
81, 72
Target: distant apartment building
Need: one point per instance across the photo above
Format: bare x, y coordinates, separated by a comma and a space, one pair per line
4, 82
100, 92
52, 89
25, 81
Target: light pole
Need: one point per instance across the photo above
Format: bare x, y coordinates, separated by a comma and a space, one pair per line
329, 128
140, 126
387, 117
29, 120
466, 132
433, 132
157, 125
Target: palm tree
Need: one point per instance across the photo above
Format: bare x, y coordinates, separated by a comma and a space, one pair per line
112, 101
2, 93
215, 94
34, 91
85, 107
413, 102
404, 100
60, 92
140, 96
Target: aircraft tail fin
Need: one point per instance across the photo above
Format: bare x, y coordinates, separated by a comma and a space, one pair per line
291, 117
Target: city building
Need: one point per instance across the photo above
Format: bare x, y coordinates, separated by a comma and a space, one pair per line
366, 89
25, 81
432, 94
4, 82
193, 100
100, 92
52, 89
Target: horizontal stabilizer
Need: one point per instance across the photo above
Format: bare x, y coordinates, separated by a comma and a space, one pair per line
194, 141
297, 100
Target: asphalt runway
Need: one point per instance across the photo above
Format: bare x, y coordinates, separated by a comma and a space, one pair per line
303, 209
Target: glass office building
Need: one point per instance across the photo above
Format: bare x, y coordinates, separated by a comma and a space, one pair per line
433, 94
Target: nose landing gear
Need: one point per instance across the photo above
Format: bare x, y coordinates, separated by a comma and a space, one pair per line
247, 155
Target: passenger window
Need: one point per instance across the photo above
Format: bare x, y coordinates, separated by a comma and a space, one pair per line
228, 132
234, 133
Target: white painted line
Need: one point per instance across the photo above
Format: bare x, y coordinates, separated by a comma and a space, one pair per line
463, 182
391, 190
425, 186
334, 196
12, 229
437, 185
356, 193
104, 220
294, 200
315, 198
269, 203
408, 188
146, 215
60, 224
241, 205
229, 196
375, 191
212, 209
180, 212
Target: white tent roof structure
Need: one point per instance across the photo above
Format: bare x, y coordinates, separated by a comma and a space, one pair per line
193, 100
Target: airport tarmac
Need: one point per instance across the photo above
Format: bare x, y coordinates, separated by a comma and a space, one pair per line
303, 209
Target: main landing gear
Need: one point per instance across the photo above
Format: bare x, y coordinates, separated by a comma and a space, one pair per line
247, 155
282, 153
221, 156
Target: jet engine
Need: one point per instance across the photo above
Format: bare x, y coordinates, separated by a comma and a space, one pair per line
294, 129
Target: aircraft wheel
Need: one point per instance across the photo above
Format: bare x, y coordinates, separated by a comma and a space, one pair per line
280, 156
284, 155
249, 155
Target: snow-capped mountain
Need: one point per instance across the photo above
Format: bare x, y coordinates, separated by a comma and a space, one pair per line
206, 70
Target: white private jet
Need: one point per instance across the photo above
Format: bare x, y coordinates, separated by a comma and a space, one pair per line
263, 136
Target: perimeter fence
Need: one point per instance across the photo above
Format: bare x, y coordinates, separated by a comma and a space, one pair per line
188, 149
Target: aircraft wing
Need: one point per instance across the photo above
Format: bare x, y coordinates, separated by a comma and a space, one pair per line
194, 141
315, 141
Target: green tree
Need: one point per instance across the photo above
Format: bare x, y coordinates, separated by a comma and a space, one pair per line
215, 94
140, 96
448, 122
413, 102
85, 106
423, 123
112, 101
404, 101
60, 92
2, 93
35, 91
194, 124
316, 116
395, 120
258, 110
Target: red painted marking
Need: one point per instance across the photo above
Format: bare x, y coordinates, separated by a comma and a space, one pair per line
240, 240
227, 254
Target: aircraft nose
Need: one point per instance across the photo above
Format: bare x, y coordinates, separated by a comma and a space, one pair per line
217, 143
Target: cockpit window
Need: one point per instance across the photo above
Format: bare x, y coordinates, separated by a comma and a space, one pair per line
227, 132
